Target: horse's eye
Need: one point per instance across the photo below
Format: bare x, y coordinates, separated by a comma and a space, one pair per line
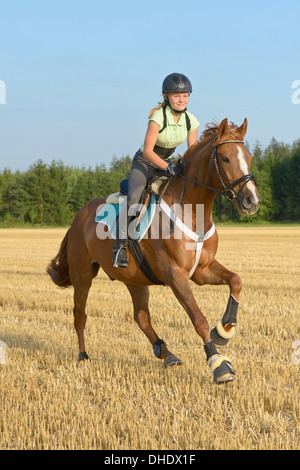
225, 160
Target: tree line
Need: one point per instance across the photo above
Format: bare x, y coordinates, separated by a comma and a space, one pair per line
51, 194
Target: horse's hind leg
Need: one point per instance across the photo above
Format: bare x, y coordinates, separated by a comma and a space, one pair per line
140, 299
82, 281
80, 298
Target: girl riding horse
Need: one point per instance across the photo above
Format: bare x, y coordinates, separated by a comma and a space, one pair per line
220, 162
169, 126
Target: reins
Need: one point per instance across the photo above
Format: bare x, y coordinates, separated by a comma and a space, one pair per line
227, 190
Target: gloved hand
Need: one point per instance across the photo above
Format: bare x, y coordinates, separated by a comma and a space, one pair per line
174, 168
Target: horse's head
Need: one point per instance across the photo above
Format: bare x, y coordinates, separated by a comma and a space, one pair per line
232, 161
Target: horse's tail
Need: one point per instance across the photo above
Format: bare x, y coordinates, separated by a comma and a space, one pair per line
58, 268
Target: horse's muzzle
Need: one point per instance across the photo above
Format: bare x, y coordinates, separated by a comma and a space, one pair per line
248, 203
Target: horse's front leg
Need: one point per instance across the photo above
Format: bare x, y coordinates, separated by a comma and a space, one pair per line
220, 365
219, 275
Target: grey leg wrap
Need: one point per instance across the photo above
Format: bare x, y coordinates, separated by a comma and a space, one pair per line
230, 314
157, 347
210, 350
218, 334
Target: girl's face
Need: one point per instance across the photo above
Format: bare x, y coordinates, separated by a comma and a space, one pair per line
179, 101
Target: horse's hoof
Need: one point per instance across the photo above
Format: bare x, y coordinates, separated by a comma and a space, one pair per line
172, 360
83, 357
221, 369
219, 336
224, 379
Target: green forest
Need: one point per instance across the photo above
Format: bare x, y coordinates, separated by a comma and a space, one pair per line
51, 194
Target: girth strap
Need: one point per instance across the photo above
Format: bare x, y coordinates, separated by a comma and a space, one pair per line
142, 262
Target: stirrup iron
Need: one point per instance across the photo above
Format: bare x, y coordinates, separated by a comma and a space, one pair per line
120, 256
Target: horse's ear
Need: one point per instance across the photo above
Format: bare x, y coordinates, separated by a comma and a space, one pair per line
223, 127
243, 129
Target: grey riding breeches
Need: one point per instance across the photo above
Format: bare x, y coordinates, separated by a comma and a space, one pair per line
141, 173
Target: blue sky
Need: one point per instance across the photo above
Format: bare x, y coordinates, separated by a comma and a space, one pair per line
82, 75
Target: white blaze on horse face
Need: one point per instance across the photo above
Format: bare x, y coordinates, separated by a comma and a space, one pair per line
244, 169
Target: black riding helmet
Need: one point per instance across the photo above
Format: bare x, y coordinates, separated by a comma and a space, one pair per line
176, 82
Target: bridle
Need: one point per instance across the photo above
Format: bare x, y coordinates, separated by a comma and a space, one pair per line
227, 186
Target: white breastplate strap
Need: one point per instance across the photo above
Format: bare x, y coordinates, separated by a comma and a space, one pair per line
199, 239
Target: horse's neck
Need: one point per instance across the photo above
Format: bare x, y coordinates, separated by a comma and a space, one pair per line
186, 192
198, 169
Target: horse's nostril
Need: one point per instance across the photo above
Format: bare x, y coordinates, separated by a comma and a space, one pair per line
248, 202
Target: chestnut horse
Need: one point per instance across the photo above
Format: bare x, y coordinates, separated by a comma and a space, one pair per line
218, 162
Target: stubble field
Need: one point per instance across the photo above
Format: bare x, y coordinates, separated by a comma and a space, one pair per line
124, 398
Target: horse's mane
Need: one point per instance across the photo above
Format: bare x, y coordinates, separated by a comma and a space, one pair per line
210, 131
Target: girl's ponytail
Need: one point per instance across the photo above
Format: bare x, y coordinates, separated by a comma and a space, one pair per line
161, 105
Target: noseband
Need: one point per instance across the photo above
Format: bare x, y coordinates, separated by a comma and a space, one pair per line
227, 186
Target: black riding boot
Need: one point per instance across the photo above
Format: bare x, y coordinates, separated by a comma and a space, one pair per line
120, 255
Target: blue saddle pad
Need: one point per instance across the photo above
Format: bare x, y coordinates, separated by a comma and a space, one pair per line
109, 213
